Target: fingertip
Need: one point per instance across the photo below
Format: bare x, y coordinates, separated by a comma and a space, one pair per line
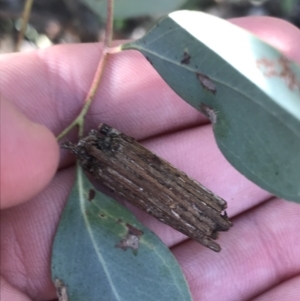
277, 32
8, 292
29, 156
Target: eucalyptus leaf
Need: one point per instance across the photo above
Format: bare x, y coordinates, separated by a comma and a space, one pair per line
247, 88
124, 9
101, 252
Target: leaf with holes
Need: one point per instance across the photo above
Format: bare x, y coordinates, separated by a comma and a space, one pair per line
247, 88
102, 252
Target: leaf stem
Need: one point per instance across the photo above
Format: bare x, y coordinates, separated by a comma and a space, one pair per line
79, 120
109, 23
24, 23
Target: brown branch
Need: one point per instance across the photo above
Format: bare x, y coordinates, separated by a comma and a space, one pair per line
79, 121
25, 19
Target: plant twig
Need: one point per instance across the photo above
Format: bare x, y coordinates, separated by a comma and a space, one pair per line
79, 121
109, 23
24, 23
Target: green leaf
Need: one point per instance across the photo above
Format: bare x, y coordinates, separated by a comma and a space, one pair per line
289, 6
247, 88
101, 252
134, 8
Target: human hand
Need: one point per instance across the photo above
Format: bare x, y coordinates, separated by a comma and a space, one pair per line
260, 257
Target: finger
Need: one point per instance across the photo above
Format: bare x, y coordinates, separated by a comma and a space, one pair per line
33, 224
260, 251
27, 233
43, 215
58, 64
29, 156
264, 28
288, 290
131, 97
206, 165
8, 293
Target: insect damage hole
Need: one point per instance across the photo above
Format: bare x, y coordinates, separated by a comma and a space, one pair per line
209, 113
91, 194
206, 83
61, 290
132, 239
186, 58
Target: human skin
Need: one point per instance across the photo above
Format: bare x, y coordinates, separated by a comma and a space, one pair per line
42, 92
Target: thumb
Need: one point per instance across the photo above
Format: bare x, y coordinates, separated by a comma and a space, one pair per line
29, 156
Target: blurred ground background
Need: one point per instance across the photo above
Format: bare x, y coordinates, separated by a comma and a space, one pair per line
74, 21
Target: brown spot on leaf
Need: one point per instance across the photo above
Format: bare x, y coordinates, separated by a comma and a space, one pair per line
209, 113
132, 239
134, 231
186, 58
92, 194
61, 290
206, 83
279, 68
